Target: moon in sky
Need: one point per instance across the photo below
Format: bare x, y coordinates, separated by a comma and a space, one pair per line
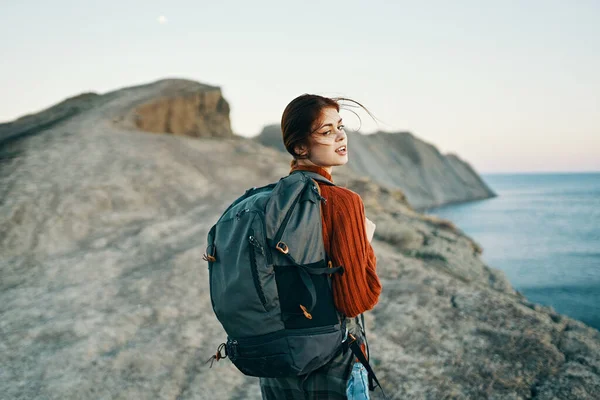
162, 19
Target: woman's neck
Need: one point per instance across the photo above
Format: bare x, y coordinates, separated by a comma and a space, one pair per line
313, 168
308, 163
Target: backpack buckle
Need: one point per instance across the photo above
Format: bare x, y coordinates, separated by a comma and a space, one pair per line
282, 247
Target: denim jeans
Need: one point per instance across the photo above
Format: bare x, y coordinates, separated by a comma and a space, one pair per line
358, 387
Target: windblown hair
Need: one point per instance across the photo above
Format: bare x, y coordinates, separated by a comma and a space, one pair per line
302, 117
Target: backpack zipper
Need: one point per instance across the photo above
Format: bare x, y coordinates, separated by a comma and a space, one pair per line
254, 268
266, 253
255, 243
238, 215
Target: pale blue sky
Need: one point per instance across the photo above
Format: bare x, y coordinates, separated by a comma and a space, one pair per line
507, 85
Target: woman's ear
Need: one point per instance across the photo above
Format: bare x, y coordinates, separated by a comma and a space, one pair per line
301, 150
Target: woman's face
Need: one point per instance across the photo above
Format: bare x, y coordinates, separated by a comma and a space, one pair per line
328, 142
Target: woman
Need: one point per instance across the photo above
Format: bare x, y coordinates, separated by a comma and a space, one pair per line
314, 135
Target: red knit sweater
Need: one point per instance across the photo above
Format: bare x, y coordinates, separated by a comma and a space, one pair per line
346, 243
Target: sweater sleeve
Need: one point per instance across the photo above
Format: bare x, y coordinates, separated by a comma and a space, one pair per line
358, 288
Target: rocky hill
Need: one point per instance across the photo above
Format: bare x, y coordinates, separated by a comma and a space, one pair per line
104, 294
400, 160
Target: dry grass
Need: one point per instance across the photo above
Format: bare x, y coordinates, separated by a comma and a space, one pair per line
439, 222
396, 234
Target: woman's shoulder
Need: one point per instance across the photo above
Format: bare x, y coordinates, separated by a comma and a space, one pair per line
340, 192
346, 191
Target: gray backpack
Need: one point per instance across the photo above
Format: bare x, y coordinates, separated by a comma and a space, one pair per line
270, 280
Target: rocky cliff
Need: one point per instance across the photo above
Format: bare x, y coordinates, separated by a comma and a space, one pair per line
104, 294
43, 120
400, 160
183, 108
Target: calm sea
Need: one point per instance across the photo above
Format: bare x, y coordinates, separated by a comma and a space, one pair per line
543, 231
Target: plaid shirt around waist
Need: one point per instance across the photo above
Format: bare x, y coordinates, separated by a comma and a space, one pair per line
326, 383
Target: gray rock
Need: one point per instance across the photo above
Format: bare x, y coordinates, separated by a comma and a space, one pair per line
104, 294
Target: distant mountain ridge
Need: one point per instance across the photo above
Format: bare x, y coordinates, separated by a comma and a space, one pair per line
400, 160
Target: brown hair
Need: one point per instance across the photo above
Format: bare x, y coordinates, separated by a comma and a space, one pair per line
301, 116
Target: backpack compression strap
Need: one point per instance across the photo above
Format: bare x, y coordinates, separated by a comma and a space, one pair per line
357, 351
